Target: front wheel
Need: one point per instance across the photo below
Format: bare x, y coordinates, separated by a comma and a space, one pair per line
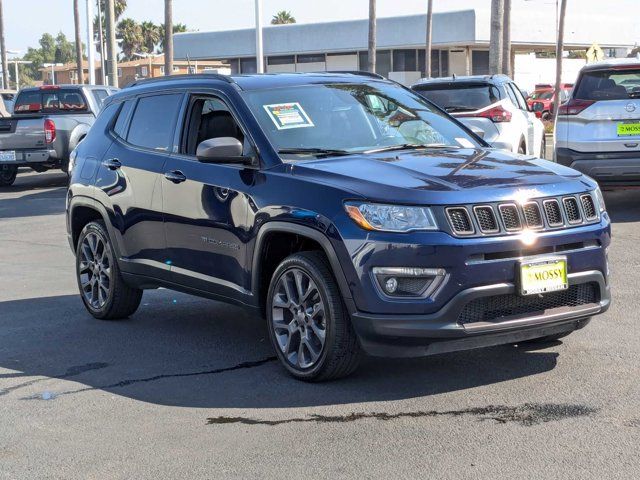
8, 174
308, 324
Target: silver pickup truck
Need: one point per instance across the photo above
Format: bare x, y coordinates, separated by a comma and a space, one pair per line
47, 124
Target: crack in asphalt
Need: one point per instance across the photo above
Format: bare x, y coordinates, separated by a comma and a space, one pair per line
126, 383
71, 372
526, 415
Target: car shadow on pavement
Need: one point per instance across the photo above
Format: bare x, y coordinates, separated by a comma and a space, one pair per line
623, 205
183, 351
41, 202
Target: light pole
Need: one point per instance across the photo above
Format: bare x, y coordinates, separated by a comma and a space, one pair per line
91, 48
53, 72
259, 53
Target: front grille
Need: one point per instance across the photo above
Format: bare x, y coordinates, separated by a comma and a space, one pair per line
572, 210
532, 215
589, 207
460, 220
486, 219
553, 213
510, 217
501, 307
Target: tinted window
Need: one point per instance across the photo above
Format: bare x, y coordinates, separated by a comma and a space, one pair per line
460, 98
100, 96
121, 123
153, 121
50, 100
520, 101
609, 85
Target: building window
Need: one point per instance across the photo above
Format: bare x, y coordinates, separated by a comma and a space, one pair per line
234, 65
312, 58
248, 65
404, 61
283, 60
383, 62
435, 63
176, 69
119, 72
161, 69
480, 62
192, 70
144, 71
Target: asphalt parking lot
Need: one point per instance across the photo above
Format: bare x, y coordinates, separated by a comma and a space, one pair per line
188, 388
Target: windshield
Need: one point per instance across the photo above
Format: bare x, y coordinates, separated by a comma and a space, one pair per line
614, 84
351, 118
542, 95
460, 97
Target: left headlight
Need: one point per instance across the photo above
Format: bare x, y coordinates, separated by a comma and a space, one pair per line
597, 193
391, 218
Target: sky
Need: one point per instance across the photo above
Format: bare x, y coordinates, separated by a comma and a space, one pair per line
26, 20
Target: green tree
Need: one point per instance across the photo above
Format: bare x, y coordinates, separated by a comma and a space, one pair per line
282, 18
177, 28
151, 36
52, 49
131, 40
120, 6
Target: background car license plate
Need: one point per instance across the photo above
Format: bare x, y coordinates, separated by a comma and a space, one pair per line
543, 276
625, 129
8, 156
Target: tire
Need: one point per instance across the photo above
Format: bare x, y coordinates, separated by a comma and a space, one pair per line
546, 116
317, 315
102, 289
8, 176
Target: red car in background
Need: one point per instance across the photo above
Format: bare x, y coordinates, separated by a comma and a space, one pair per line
544, 95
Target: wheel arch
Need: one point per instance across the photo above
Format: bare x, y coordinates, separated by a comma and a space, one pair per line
83, 210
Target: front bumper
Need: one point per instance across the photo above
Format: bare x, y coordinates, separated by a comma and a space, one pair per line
419, 335
29, 157
609, 169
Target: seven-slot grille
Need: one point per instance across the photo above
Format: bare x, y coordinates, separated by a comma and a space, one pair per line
512, 217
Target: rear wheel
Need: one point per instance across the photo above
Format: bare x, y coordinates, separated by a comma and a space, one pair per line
102, 288
307, 321
8, 174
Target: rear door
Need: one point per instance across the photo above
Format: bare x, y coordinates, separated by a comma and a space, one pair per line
610, 121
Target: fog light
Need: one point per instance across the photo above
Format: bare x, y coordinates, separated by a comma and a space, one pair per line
391, 285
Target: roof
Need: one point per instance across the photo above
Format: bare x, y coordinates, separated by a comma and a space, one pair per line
612, 63
464, 79
66, 85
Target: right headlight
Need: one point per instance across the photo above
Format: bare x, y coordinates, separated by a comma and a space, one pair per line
597, 193
391, 218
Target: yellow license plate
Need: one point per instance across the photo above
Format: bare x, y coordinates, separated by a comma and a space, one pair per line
625, 129
543, 276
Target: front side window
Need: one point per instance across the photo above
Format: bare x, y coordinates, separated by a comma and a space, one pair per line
351, 118
154, 120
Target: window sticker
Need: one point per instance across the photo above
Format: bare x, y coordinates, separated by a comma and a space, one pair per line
288, 115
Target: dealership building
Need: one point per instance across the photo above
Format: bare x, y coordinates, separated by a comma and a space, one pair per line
460, 44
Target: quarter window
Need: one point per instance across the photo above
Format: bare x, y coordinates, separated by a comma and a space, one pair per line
119, 128
153, 121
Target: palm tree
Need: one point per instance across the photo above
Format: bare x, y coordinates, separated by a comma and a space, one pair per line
78, 41
151, 36
496, 36
3, 51
177, 28
131, 40
559, 50
372, 36
168, 37
282, 18
427, 53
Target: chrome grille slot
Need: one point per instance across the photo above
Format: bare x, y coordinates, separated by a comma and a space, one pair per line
589, 207
460, 221
532, 215
510, 217
553, 213
572, 210
486, 218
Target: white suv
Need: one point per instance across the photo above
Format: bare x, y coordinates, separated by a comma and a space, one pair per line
490, 105
598, 130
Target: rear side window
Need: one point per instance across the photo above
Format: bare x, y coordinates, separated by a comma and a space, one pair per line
609, 85
154, 120
50, 101
460, 98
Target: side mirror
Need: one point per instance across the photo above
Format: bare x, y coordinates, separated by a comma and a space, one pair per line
222, 150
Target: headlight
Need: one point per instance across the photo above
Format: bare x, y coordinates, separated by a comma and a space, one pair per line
391, 218
597, 193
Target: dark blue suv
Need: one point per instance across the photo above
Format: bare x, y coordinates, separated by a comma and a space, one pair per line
352, 213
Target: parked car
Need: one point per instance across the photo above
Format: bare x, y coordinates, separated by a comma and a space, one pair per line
598, 130
352, 213
544, 95
492, 106
6, 106
46, 125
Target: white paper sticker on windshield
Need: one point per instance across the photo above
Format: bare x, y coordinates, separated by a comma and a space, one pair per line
288, 115
465, 143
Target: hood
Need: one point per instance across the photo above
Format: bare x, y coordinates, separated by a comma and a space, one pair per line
445, 176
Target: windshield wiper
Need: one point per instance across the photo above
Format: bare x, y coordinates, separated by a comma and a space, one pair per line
318, 152
458, 108
408, 146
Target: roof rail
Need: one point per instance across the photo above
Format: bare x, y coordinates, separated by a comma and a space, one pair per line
357, 72
192, 76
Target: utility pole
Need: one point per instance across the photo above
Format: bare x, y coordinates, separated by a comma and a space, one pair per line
259, 46
506, 39
427, 53
112, 61
103, 50
372, 36
91, 47
3, 51
496, 36
559, 50
168, 37
78, 41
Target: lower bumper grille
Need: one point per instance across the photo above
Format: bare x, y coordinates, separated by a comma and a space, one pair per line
501, 307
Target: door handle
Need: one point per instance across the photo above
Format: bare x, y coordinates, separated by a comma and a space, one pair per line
175, 176
112, 164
